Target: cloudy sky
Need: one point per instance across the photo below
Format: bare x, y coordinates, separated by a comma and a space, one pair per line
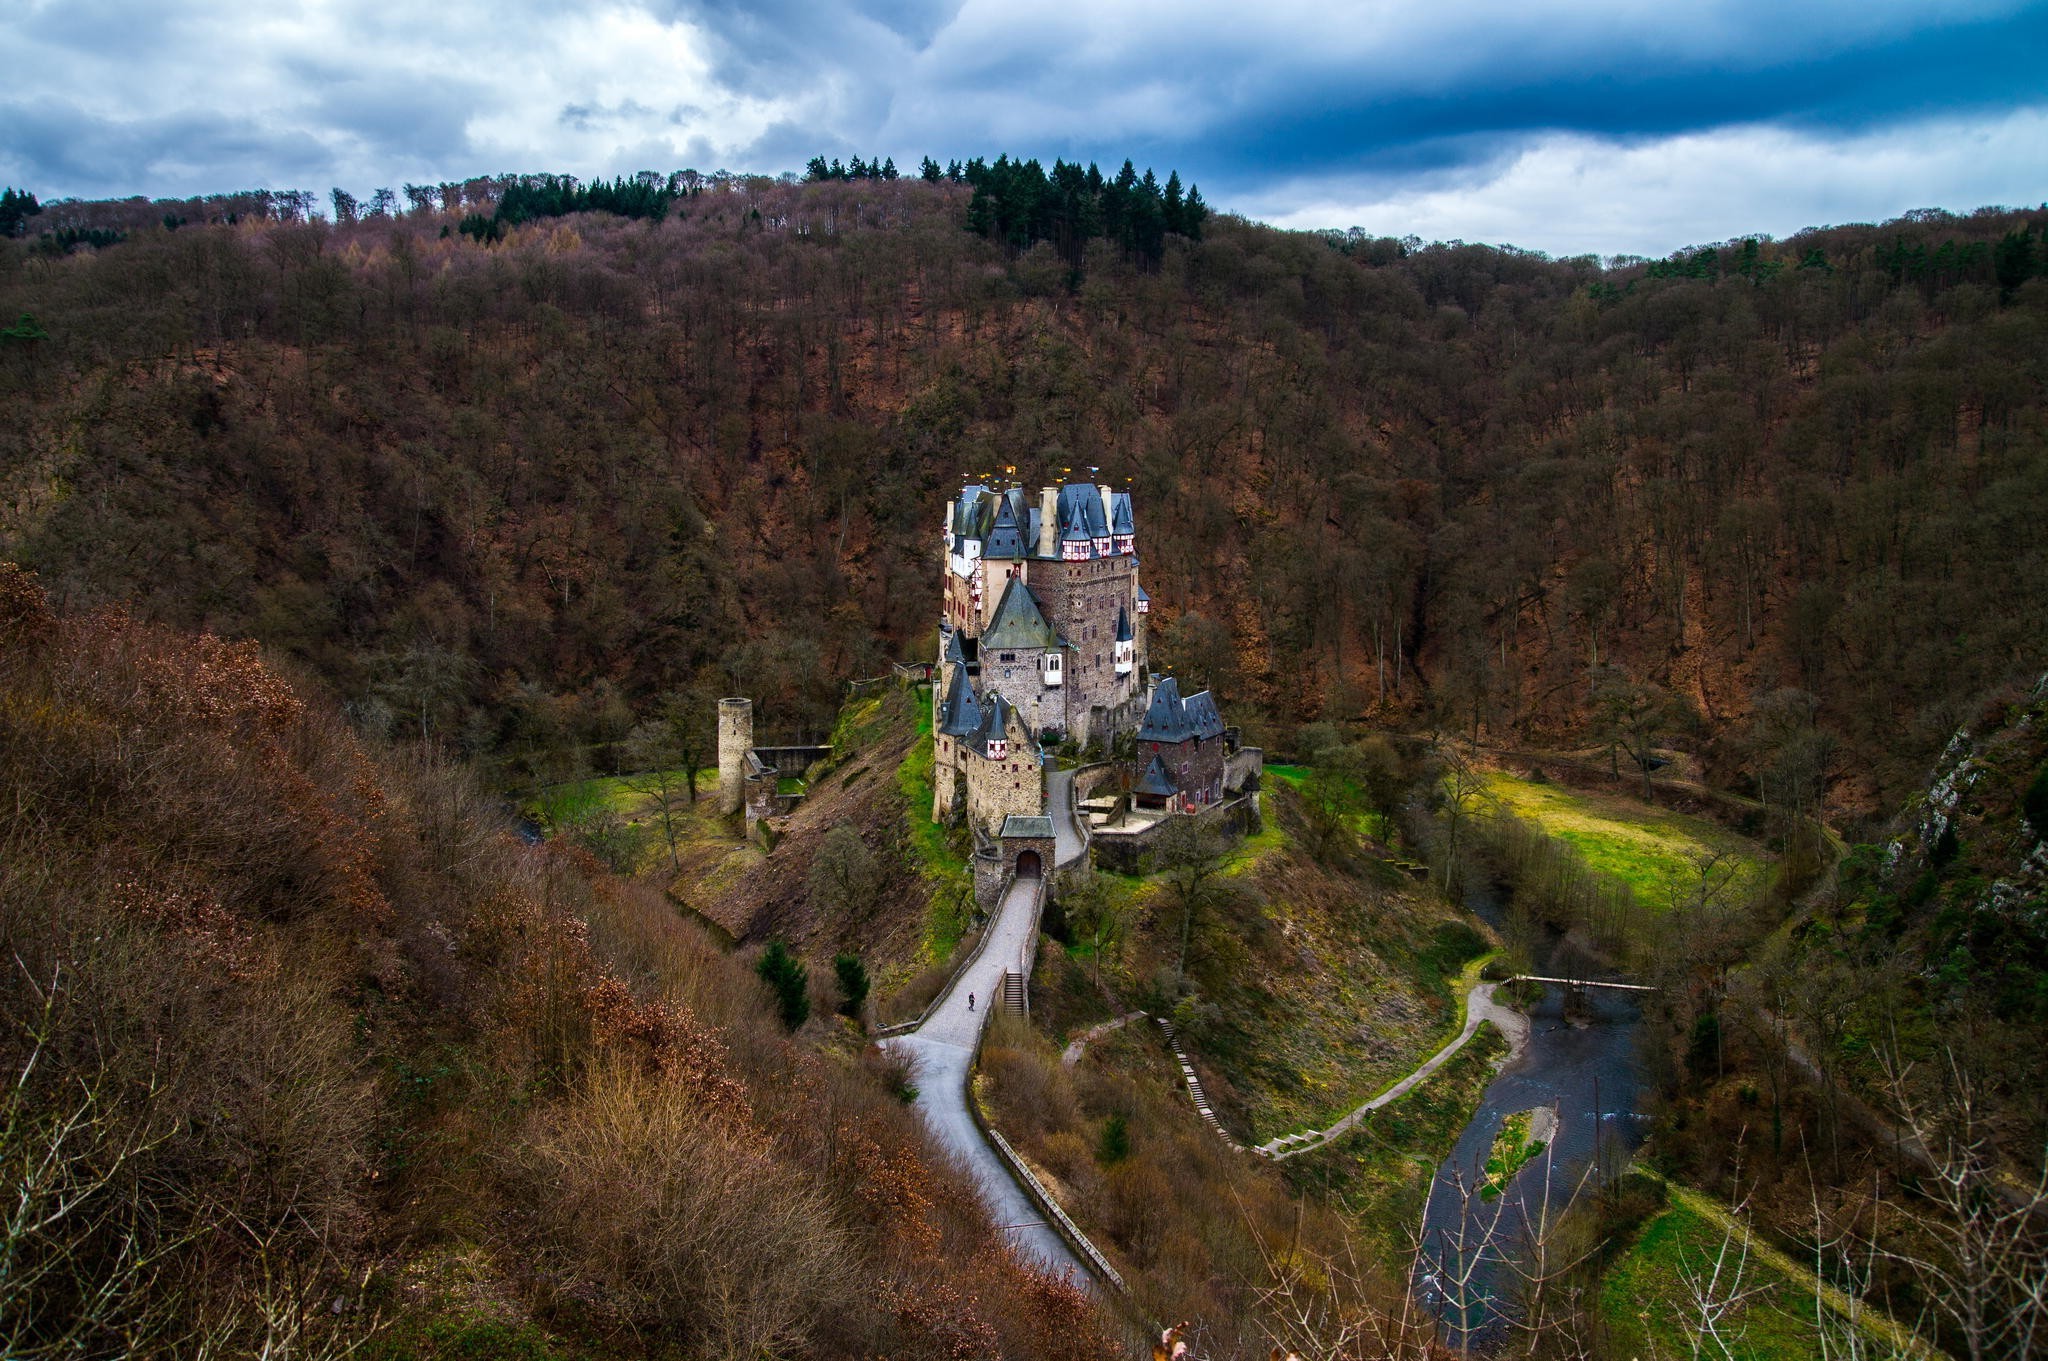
1604, 125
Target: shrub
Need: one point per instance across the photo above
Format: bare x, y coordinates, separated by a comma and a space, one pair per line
787, 978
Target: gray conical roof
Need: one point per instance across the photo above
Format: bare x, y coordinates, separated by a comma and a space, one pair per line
960, 715
1157, 781
1018, 622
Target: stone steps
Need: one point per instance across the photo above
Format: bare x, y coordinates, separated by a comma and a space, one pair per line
1187, 1072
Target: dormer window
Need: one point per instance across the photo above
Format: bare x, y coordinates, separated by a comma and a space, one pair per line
998, 748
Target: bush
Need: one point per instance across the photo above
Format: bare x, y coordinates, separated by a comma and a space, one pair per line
787, 978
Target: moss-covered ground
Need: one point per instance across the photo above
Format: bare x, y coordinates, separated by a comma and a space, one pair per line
1658, 853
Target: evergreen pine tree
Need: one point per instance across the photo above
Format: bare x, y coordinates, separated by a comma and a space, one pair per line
787, 978
853, 983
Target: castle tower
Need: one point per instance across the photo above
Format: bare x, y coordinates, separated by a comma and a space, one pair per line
735, 739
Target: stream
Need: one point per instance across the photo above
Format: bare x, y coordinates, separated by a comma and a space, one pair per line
1585, 1070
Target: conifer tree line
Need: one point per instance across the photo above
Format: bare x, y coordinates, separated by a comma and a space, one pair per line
16, 207
1018, 203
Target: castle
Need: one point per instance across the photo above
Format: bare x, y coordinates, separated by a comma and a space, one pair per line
1042, 640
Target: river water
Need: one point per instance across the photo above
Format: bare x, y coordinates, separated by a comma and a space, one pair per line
1585, 1070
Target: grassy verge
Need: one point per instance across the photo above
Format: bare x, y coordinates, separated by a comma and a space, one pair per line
1656, 852
939, 861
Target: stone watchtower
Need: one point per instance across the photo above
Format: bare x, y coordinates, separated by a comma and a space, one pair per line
735, 739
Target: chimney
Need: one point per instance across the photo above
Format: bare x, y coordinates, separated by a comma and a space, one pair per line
1048, 522
1108, 515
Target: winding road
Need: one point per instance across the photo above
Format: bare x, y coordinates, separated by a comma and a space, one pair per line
941, 1053
1069, 844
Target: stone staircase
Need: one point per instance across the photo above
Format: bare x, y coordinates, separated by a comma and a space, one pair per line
1187, 1071
1013, 999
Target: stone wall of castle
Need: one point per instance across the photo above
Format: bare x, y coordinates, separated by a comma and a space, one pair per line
1081, 599
996, 789
1021, 681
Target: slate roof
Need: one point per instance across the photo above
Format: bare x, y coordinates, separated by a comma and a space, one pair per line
960, 715
1018, 622
1123, 626
995, 722
967, 511
953, 653
1171, 719
992, 517
1156, 782
1081, 513
1005, 539
1022, 824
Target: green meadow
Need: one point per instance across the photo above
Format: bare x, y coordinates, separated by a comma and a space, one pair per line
1659, 854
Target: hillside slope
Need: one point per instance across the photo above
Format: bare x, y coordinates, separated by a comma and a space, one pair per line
511, 494
305, 1051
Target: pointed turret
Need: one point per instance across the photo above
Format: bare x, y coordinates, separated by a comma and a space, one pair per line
961, 715
1005, 536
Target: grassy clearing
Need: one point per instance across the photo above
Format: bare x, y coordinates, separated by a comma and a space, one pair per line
1362, 823
1644, 1296
1656, 852
630, 796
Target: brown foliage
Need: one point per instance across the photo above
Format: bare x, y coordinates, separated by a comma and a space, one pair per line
379, 1026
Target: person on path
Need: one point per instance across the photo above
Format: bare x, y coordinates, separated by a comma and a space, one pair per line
970, 1001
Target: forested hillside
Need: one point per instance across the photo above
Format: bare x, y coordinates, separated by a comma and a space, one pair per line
513, 493
306, 1055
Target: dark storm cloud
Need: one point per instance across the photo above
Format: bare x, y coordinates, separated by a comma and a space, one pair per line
1276, 108
1629, 95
